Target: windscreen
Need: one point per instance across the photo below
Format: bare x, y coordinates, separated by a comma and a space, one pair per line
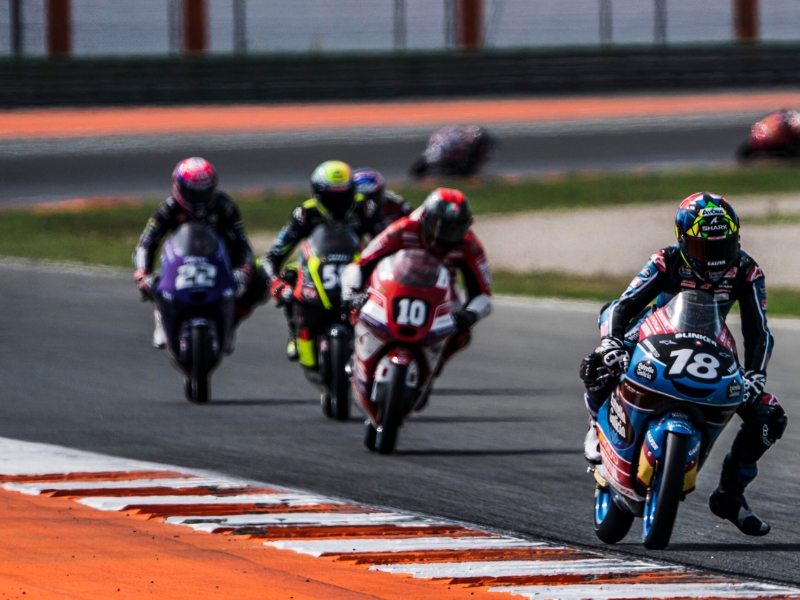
415, 268
694, 311
193, 239
328, 240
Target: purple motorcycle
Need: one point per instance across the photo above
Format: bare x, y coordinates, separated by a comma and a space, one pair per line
195, 296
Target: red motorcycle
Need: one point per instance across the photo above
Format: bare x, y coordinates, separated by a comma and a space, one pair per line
775, 136
400, 336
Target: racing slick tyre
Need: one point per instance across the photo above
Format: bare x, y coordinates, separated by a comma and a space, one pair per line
745, 151
199, 379
325, 402
340, 382
370, 433
665, 492
188, 389
392, 410
611, 521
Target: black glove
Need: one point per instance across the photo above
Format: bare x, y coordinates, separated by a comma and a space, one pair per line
616, 357
464, 319
754, 384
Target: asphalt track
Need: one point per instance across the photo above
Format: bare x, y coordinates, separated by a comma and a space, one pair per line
499, 445
47, 170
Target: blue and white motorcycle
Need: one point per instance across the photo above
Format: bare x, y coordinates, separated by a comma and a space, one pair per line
660, 423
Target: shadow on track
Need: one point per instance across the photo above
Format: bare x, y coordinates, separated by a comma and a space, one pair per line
431, 419
264, 402
530, 452
521, 392
742, 547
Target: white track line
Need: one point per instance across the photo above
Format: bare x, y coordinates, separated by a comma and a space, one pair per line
646, 591
347, 546
117, 503
308, 518
37, 488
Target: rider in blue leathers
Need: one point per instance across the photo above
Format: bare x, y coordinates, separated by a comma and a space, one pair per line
707, 257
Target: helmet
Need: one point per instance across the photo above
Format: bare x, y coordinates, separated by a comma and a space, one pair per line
370, 184
707, 229
332, 186
194, 185
445, 219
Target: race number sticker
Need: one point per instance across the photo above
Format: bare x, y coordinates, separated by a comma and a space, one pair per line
195, 276
410, 311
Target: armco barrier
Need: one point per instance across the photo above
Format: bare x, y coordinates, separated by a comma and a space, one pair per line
327, 77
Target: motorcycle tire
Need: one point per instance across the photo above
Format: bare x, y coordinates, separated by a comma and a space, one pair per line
188, 389
200, 384
392, 411
665, 493
370, 433
339, 381
325, 403
611, 522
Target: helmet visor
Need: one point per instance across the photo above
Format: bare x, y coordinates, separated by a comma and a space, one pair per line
198, 197
448, 234
338, 202
711, 251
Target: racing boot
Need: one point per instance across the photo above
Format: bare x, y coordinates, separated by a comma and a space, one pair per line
591, 444
291, 347
728, 502
159, 336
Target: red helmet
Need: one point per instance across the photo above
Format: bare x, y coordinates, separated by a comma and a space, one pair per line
445, 219
194, 186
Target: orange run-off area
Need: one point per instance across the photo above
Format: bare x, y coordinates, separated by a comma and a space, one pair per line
55, 548
205, 120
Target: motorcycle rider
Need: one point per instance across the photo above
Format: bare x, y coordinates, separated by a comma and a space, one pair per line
455, 150
334, 200
195, 198
371, 185
707, 257
442, 227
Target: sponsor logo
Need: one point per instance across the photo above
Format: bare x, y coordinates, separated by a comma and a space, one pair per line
652, 349
685, 271
705, 286
652, 441
715, 263
720, 227
341, 258
732, 272
618, 418
659, 261
734, 389
695, 336
755, 274
764, 305
769, 400
645, 370
712, 212
721, 296
688, 283
762, 290
668, 343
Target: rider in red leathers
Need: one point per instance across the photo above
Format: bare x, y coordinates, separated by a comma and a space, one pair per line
442, 227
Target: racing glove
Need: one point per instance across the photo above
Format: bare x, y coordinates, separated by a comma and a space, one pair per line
754, 384
242, 276
147, 283
616, 357
464, 320
352, 281
280, 289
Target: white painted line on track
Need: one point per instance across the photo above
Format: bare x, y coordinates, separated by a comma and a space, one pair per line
115, 503
307, 518
645, 591
34, 489
508, 568
347, 546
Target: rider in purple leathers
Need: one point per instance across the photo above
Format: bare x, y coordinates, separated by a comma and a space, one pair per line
707, 257
370, 185
195, 198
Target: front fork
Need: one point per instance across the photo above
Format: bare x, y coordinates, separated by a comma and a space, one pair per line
381, 385
652, 449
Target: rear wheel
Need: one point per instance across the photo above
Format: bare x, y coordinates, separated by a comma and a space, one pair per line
611, 521
664, 493
392, 411
199, 380
340, 382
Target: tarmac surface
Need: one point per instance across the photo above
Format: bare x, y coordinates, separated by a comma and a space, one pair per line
499, 444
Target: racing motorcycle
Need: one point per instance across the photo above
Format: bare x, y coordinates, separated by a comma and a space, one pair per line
775, 136
323, 257
195, 296
400, 332
656, 430
455, 150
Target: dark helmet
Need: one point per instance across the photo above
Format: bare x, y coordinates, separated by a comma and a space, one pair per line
445, 220
194, 186
332, 186
707, 229
370, 184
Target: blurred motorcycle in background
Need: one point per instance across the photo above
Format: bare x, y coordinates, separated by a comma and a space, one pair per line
455, 150
775, 136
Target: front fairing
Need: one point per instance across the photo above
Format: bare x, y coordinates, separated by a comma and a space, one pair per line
323, 257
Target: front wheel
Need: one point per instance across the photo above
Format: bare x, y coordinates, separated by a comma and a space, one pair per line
611, 522
664, 493
339, 381
199, 378
392, 411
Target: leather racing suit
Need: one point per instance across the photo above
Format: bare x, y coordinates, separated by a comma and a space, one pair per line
664, 276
